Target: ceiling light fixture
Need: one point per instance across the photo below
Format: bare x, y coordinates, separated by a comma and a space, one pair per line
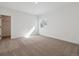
36, 2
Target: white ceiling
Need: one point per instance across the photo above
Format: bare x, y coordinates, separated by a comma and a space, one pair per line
32, 8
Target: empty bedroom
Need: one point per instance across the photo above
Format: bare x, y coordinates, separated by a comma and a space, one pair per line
39, 28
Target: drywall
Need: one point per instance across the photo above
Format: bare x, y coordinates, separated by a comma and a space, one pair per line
63, 23
21, 23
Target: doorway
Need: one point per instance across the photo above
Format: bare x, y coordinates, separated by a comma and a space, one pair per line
5, 26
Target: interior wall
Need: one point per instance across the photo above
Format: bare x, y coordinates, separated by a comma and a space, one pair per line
21, 23
63, 23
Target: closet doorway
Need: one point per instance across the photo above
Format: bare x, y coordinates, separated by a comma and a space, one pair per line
5, 26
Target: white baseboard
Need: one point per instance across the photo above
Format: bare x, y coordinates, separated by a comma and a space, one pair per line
74, 42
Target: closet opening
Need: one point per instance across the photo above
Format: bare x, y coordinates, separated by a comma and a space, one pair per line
5, 26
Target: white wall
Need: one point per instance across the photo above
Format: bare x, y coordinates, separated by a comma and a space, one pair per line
21, 23
63, 23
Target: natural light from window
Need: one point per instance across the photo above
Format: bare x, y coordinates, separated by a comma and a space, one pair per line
30, 32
